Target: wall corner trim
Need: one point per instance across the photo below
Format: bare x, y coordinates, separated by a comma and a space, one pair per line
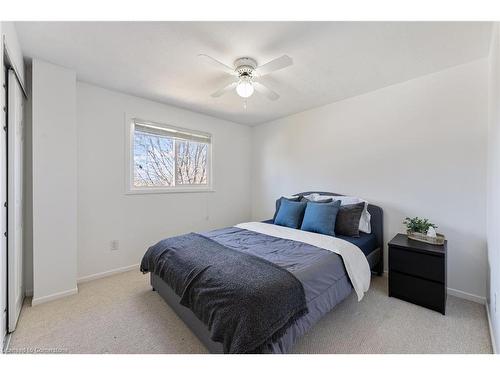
490, 326
52, 297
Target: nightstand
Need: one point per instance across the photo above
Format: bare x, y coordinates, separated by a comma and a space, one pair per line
417, 272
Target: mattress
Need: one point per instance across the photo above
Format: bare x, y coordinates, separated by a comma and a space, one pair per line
367, 242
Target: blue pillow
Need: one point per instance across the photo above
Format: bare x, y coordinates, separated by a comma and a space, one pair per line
320, 217
278, 203
290, 214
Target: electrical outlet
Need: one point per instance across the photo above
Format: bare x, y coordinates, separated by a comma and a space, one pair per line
115, 245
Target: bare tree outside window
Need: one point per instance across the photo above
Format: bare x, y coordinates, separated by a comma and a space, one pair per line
153, 160
164, 161
191, 160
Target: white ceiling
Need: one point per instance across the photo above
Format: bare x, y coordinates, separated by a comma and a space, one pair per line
332, 60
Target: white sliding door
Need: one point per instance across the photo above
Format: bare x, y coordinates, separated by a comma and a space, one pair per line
3, 210
15, 146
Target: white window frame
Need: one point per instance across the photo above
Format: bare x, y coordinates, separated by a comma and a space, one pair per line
129, 161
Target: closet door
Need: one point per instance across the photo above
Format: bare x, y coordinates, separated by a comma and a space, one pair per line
3, 209
15, 145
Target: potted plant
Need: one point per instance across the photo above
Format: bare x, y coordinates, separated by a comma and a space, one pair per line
423, 230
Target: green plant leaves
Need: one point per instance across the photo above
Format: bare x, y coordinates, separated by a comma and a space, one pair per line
417, 224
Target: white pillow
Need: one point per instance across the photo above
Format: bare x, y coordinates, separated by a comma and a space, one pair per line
314, 197
364, 221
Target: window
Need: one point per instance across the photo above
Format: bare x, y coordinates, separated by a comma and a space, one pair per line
164, 158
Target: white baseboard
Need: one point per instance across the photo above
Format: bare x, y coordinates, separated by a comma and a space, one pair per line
100, 275
490, 326
95, 276
467, 296
51, 297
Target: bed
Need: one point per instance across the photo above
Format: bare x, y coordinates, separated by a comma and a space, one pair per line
326, 277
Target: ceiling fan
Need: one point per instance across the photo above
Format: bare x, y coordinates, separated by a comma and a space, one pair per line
246, 73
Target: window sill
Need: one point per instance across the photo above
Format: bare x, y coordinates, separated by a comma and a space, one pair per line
169, 191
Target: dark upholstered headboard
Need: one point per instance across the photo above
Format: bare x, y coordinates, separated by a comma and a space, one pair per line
377, 222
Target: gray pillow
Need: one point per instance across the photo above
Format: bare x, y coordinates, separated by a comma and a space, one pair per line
347, 223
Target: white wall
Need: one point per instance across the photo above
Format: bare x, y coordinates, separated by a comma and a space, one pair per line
105, 213
54, 181
417, 148
494, 185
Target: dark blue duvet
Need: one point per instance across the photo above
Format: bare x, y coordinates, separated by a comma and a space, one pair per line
321, 272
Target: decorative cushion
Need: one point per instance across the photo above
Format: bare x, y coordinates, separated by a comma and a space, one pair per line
320, 217
290, 214
348, 217
364, 222
294, 198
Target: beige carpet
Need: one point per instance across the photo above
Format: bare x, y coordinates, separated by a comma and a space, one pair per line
120, 314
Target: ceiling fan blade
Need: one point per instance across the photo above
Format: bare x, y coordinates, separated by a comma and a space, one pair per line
217, 64
270, 94
276, 64
225, 89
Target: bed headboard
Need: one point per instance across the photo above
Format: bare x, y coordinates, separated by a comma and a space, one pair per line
376, 217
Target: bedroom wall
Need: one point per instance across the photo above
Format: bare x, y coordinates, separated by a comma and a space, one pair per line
106, 213
54, 184
493, 195
417, 148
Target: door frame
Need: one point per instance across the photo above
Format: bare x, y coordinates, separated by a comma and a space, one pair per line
4, 321
6, 65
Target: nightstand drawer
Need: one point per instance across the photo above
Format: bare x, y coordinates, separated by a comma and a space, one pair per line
419, 291
418, 264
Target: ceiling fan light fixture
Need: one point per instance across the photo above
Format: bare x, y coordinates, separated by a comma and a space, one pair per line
245, 88
245, 71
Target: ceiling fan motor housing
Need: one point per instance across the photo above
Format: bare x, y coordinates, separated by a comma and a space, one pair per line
245, 66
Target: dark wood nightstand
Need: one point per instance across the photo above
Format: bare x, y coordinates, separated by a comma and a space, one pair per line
417, 272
